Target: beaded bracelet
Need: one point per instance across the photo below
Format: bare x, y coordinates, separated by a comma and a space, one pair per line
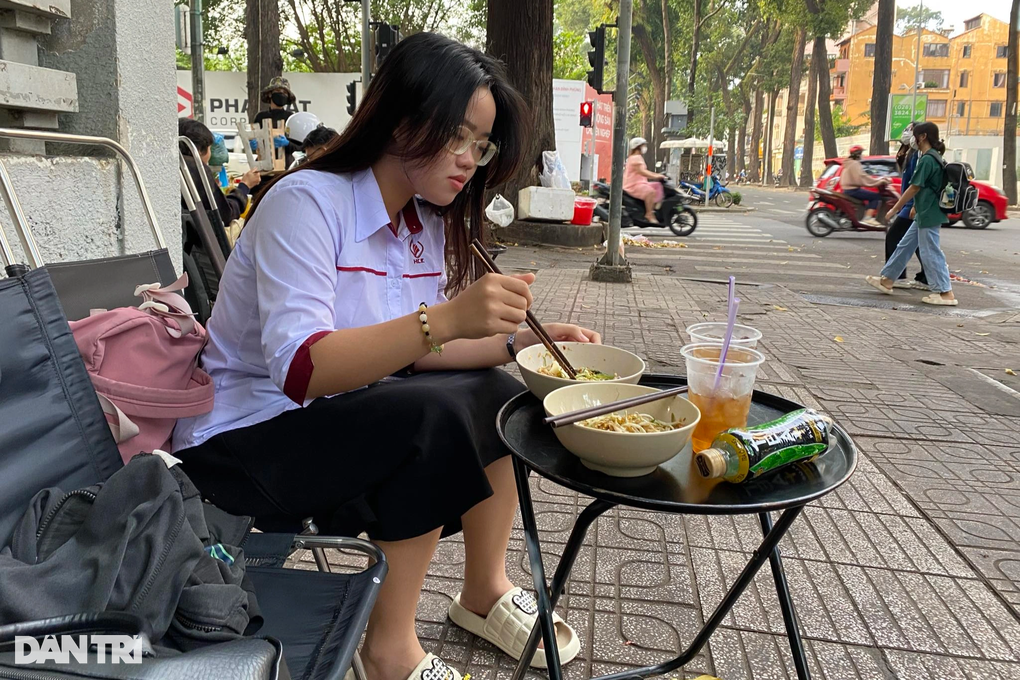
424, 318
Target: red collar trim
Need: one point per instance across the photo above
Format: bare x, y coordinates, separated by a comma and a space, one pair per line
411, 218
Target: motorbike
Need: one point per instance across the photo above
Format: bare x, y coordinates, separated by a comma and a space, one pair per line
718, 193
831, 211
671, 213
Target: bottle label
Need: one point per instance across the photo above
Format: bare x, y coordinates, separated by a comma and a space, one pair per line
796, 436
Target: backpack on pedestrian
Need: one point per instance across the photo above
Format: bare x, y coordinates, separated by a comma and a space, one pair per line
958, 194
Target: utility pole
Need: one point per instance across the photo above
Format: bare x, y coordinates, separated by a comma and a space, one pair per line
197, 62
612, 267
711, 152
366, 57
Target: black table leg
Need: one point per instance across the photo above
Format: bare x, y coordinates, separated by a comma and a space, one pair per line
759, 557
545, 611
566, 563
786, 604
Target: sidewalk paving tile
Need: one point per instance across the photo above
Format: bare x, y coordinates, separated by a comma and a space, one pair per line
910, 570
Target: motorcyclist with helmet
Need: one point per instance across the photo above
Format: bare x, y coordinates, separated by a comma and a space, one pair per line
854, 180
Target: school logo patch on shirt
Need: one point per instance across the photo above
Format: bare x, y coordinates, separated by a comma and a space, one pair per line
417, 250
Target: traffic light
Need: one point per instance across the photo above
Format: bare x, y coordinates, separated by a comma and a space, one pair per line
386, 36
597, 57
352, 96
587, 111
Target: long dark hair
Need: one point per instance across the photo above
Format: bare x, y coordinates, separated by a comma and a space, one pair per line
903, 156
422, 90
931, 132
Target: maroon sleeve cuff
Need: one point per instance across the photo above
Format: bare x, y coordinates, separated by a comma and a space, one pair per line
300, 372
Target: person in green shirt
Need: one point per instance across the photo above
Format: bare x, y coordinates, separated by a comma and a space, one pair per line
926, 187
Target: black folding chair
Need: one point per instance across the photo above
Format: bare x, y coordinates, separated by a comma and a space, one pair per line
53, 434
103, 283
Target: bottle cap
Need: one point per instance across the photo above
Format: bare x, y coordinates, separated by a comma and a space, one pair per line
711, 463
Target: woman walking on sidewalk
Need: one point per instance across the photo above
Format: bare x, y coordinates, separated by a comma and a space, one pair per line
906, 162
925, 188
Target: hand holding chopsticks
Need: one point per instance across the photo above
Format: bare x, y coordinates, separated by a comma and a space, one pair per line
612, 407
479, 251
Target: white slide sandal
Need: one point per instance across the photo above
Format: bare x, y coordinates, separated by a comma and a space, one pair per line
509, 623
430, 668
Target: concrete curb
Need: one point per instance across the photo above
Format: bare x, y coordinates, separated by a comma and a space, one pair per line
551, 234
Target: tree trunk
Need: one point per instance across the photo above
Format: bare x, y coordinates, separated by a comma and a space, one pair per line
659, 91
731, 145
262, 32
667, 59
647, 131
727, 96
807, 177
824, 96
742, 137
1009, 131
793, 101
882, 83
767, 151
754, 170
529, 65
695, 45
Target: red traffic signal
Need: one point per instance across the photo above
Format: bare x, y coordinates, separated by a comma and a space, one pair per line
587, 113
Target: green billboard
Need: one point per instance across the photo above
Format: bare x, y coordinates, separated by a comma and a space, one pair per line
899, 112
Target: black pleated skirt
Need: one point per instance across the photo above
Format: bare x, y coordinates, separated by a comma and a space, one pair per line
397, 459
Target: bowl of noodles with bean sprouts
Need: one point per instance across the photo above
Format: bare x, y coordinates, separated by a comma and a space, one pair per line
593, 363
627, 443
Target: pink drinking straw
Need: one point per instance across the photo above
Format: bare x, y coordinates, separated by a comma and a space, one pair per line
734, 304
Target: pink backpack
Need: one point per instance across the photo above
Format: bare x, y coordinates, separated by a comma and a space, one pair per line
143, 362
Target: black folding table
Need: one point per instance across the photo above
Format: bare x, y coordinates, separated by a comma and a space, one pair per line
675, 487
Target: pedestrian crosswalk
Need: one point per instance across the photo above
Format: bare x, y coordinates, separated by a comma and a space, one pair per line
725, 244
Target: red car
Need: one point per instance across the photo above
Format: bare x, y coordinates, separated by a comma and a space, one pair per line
991, 205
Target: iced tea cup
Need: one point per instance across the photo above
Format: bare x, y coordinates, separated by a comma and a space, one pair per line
728, 404
715, 331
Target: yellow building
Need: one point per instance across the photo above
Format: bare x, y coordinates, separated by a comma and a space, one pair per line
963, 77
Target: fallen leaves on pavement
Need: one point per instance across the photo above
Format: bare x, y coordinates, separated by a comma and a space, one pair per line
645, 242
838, 338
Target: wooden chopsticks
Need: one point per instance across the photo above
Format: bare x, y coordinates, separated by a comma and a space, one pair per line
595, 411
533, 323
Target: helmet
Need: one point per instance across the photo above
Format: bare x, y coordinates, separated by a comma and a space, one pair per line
637, 143
300, 124
856, 148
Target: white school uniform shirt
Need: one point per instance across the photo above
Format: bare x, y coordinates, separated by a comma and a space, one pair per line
320, 254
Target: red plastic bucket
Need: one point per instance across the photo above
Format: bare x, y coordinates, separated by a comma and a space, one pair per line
584, 209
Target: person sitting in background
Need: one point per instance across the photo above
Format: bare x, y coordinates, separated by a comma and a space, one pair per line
318, 138
306, 133
231, 205
636, 176
854, 179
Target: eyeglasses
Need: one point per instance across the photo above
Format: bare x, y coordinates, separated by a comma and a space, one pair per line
483, 150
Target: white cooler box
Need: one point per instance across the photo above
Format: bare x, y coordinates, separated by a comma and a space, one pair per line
545, 203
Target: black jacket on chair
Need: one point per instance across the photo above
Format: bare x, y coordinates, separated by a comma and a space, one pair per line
139, 543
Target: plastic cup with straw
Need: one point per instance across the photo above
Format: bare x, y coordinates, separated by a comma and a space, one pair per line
721, 380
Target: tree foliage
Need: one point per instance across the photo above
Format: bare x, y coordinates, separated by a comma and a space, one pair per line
841, 124
908, 19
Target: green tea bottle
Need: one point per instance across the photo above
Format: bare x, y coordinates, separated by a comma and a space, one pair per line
745, 453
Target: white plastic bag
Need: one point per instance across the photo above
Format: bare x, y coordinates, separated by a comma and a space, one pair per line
500, 211
554, 173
